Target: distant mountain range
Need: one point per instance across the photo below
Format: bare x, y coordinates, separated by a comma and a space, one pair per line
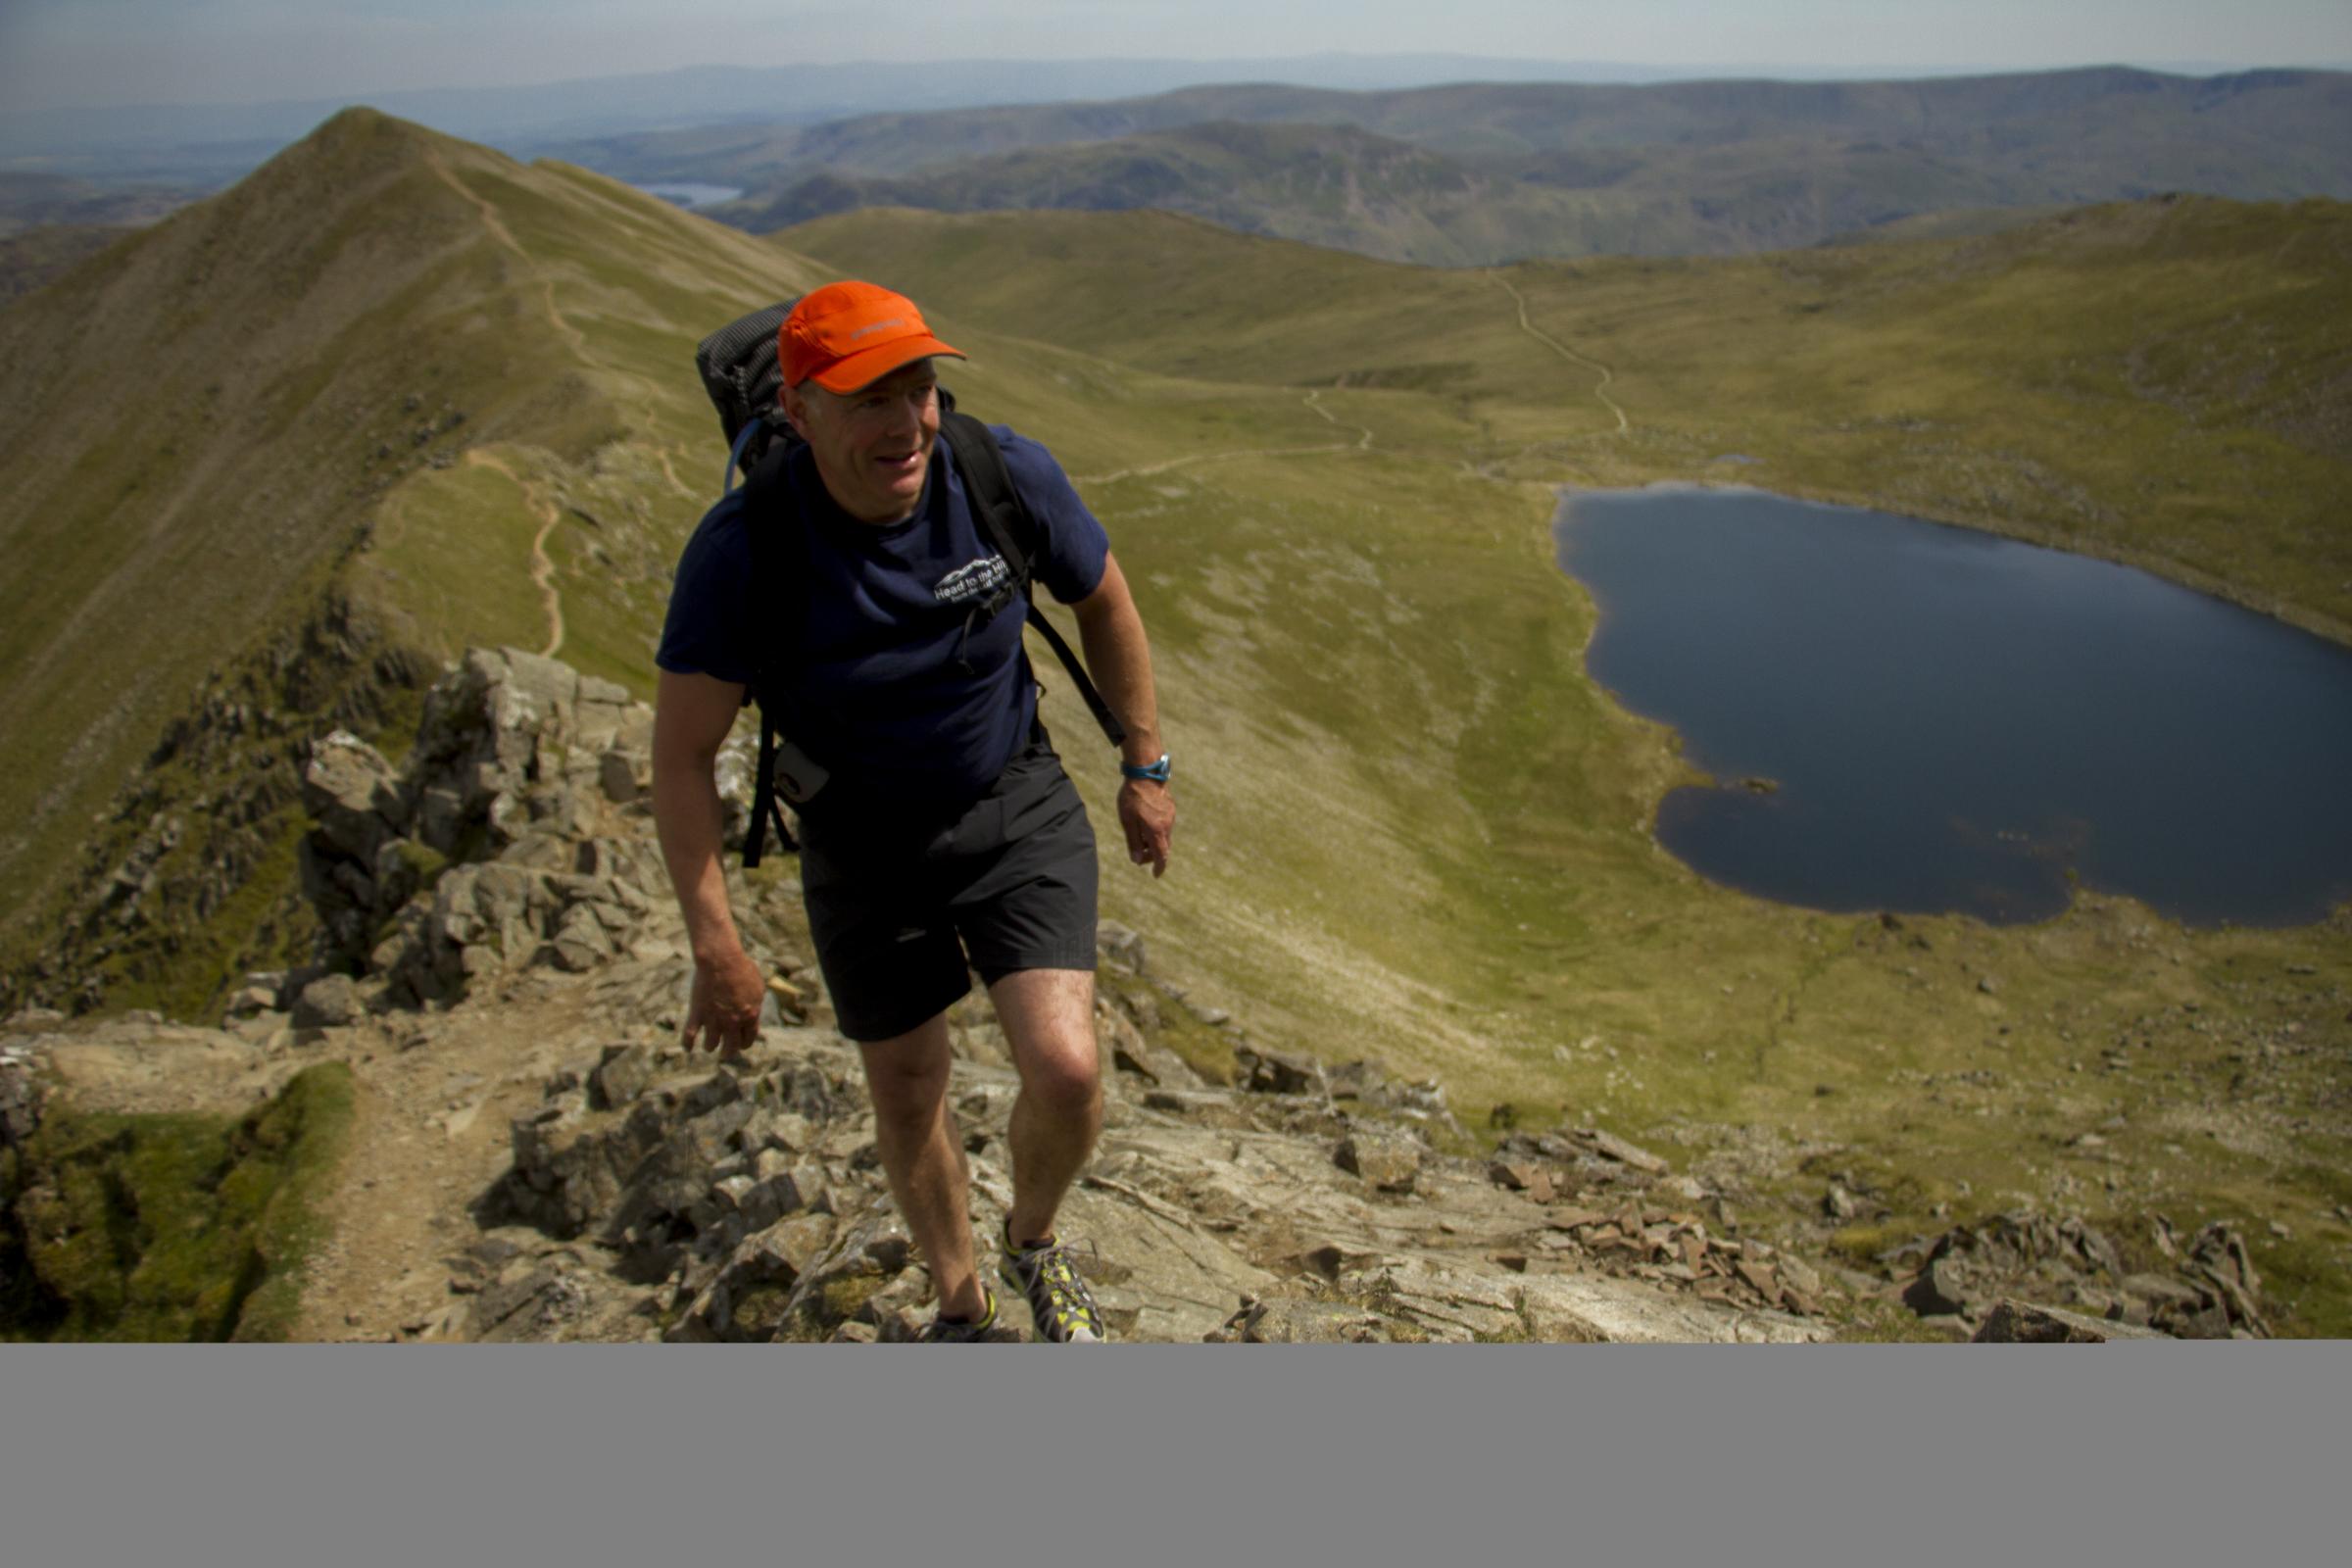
235, 138
1482, 173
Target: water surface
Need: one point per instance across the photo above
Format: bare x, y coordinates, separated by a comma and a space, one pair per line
689, 193
1940, 720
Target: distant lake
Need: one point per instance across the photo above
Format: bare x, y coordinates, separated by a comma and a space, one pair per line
1940, 720
686, 193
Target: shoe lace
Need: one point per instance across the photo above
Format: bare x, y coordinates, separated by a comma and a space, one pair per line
1057, 1268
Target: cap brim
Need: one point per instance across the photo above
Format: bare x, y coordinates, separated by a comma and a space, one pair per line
861, 371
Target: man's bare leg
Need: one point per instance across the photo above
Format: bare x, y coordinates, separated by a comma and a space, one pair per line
923, 1157
1048, 1020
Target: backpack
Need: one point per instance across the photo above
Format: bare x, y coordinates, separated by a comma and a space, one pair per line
742, 375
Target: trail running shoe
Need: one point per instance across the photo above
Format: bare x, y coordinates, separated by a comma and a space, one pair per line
981, 1330
1058, 1300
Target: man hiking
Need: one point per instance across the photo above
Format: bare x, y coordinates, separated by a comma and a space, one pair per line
937, 825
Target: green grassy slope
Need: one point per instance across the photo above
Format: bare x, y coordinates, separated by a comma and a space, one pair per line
2200, 345
276, 390
169, 1228
1412, 827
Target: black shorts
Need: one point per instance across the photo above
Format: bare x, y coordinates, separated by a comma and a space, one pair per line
895, 904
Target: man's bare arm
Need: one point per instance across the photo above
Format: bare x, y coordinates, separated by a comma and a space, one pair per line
1119, 660
692, 716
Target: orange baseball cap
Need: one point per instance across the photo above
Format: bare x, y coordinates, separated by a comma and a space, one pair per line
846, 336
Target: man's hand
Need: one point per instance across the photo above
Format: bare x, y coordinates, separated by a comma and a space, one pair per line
726, 1010
1149, 815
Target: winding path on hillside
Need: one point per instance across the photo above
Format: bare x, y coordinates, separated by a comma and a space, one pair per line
505, 237
543, 565
1314, 401
1146, 470
1601, 388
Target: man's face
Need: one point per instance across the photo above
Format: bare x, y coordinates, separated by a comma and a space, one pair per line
872, 446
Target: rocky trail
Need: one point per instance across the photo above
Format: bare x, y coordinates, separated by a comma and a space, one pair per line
536, 1157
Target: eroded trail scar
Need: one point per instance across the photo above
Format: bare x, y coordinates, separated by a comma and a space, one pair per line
1145, 470
505, 237
543, 565
1601, 388
1314, 402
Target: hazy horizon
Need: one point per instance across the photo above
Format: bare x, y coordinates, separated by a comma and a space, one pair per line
66, 55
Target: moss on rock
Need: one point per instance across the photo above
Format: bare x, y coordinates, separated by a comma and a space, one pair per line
169, 1228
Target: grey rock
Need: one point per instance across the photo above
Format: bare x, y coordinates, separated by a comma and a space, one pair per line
331, 1002
1798, 1273
620, 1077
1278, 1072
2221, 1250
798, 1188
22, 1098
1389, 1161
252, 1000
1611, 1147
1119, 946
353, 794
616, 774
1937, 1292
2012, 1322
1300, 1322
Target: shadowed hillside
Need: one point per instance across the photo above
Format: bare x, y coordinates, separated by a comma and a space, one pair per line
31, 256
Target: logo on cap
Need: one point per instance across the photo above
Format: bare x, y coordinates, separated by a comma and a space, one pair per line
846, 336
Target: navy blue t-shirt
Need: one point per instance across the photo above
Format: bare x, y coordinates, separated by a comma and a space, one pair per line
879, 693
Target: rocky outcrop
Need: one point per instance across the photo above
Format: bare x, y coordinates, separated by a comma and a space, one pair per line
170, 864
515, 833
21, 1096
747, 1204
2025, 1261
2024, 1323
652, 1195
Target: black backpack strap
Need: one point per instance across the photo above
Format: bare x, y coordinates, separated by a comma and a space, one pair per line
766, 807
771, 527
1005, 519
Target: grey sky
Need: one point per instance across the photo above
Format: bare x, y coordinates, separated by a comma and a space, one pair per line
72, 52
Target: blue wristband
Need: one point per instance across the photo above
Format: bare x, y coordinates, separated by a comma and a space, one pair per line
1156, 772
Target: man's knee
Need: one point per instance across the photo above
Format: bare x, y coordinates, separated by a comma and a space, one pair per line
1065, 1077
908, 1076
1048, 1020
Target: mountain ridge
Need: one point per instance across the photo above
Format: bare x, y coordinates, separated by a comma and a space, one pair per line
212, 414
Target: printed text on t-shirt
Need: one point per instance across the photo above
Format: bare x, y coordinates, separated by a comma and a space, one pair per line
977, 580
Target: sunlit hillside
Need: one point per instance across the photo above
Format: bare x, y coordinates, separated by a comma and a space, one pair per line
395, 395
366, 372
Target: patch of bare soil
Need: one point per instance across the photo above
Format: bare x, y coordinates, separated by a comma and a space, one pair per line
436, 1096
